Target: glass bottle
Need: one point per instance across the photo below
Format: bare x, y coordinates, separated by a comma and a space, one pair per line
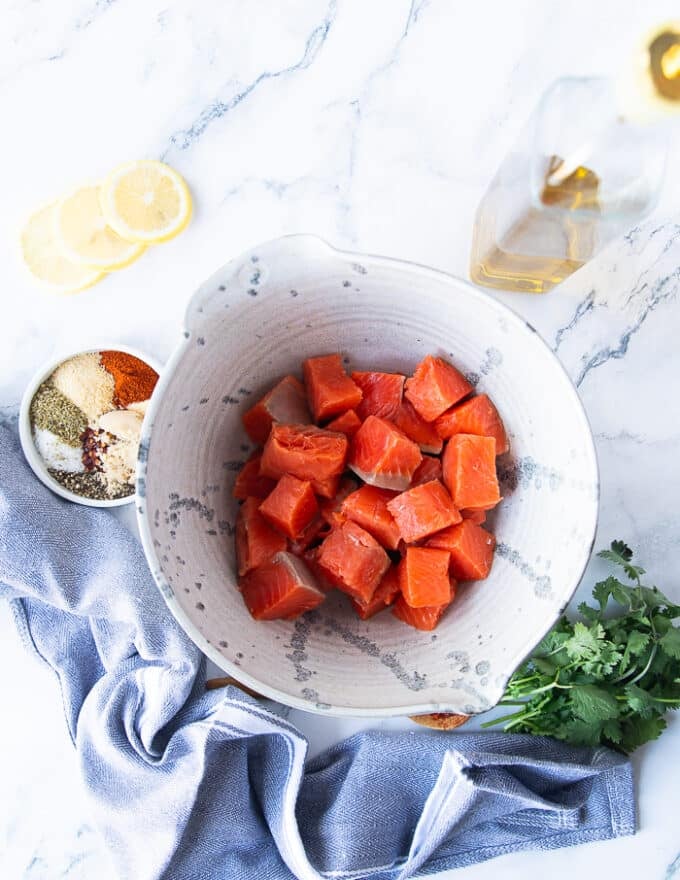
588, 165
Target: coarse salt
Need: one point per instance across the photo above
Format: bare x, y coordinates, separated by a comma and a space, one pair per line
56, 454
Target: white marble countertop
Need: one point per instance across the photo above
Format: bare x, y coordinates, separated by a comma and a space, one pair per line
376, 126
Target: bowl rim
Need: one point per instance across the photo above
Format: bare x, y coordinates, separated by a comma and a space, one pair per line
181, 616
28, 446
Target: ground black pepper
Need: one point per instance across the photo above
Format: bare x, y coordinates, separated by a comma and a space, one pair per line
90, 485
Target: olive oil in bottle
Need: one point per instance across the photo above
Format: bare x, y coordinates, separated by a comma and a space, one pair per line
588, 165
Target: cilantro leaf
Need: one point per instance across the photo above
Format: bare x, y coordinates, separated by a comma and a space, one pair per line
670, 643
637, 731
620, 554
593, 704
609, 677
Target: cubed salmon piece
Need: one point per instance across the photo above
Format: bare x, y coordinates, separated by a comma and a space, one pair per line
421, 432
331, 507
256, 540
423, 510
474, 514
315, 532
430, 468
353, 561
475, 416
368, 507
307, 453
382, 393
469, 470
435, 387
425, 618
281, 589
348, 423
471, 548
249, 481
383, 456
424, 577
285, 403
385, 594
330, 391
291, 506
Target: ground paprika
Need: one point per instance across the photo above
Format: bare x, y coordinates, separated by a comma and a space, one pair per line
133, 379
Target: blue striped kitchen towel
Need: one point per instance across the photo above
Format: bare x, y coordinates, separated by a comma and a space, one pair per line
186, 784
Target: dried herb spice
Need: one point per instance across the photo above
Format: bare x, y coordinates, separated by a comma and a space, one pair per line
53, 411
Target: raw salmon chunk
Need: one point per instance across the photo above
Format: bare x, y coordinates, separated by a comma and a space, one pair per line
425, 618
348, 423
423, 510
291, 506
368, 507
430, 468
285, 403
250, 482
256, 540
469, 466
307, 453
476, 416
382, 456
474, 514
315, 532
382, 394
353, 561
330, 391
331, 507
281, 589
435, 386
421, 432
424, 577
385, 594
471, 548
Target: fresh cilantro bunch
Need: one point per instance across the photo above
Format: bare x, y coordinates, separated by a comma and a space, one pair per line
600, 679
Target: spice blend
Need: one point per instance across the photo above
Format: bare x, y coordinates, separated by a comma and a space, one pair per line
87, 420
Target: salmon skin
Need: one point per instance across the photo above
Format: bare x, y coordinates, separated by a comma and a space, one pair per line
308, 453
285, 403
423, 510
435, 387
353, 561
330, 391
383, 456
476, 416
382, 393
281, 589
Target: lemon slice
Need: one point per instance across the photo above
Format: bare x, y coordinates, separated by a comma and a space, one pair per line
84, 236
46, 261
146, 201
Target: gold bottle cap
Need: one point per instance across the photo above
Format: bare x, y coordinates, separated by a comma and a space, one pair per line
649, 88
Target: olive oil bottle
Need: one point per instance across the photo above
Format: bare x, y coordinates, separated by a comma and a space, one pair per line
588, 165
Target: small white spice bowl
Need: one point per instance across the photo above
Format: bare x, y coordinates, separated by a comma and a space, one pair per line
31, 453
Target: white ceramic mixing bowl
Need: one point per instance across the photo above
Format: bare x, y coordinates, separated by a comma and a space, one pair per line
254, 321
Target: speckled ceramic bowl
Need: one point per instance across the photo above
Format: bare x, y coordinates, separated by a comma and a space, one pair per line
254, 321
